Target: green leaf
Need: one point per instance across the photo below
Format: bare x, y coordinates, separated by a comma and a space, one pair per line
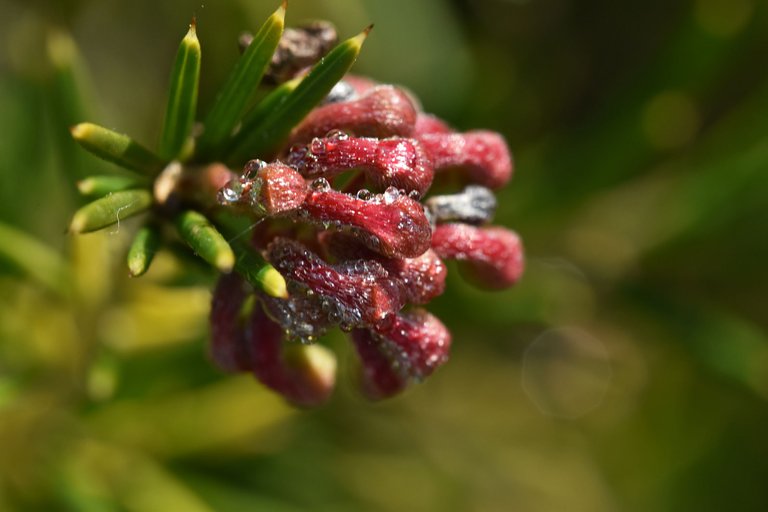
97, 186
143, 249
182, 98
205, 240
263, 137
35, 259
116, 148
242, 81
109, 210
256, 115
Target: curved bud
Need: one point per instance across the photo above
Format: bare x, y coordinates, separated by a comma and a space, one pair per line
427, 123
304, 375
270, 189
482, 157
384, 111
492, 257
229, 349
378, 379
352, 294
422, 278
409, 349
397, 162
391, 223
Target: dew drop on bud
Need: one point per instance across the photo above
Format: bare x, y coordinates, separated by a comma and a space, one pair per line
337, 135
321, 185
317, 146
252, 168
364, 194
414, 194
230, 193
391, 195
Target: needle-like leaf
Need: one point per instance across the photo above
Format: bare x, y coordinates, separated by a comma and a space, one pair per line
182, 97
240, 85
263, 137
109, 210
116, 148
205, 240
97, 186
143, 249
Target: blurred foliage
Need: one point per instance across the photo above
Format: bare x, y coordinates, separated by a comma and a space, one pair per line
628, 371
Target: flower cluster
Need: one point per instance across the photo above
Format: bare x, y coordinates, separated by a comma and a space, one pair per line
344, 223
344, 231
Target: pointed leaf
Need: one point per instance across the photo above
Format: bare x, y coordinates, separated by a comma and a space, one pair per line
116, 148
109, 210
182, 97
97, 186
35, 259
242, 81
262, 138
142, 252
205, 240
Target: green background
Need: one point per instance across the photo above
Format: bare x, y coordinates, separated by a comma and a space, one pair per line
627, 371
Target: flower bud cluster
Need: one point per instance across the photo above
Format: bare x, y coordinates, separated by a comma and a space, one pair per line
344, 223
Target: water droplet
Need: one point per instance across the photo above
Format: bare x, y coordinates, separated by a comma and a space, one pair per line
321, 185
317, 147
230, 193
337, 135
252, 168
391, 194
342, 91
297, 153
414, 194
364, 194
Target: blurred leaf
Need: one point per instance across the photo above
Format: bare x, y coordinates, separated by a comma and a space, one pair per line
240, 85
182, 97
97, 186
35, 259
285, 115
109, 210
116, 148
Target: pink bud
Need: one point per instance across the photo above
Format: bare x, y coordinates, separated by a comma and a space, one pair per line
351, 294
269, 189
228, 345
491, 256
384, 111
409, 349
391, 223
481, 156
302, 377
429, 124
397, 162
422, 278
